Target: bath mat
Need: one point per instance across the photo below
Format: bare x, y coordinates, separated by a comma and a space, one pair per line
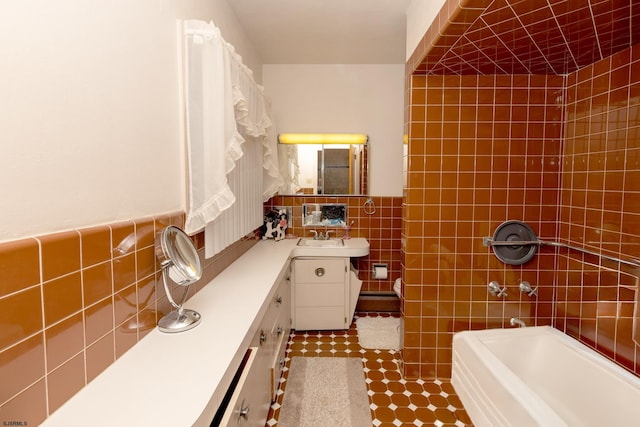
379, 332
325, 391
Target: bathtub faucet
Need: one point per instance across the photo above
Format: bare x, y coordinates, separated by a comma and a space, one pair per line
494, 289
526, 287
515, 321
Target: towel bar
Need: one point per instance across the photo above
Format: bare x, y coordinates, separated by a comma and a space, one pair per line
489, 242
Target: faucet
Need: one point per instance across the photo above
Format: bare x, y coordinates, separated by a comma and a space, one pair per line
515, 321
320, 235
526, 287
494, 289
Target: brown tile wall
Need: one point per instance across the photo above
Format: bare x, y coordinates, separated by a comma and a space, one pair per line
482, 150
560, 153
382, 230
71, 303
600, 206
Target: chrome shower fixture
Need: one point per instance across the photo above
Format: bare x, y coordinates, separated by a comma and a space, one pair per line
526, 287
514, 321
495, 290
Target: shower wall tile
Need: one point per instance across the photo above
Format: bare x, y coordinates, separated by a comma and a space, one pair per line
598, 207
560, 153
97, 290
482, 150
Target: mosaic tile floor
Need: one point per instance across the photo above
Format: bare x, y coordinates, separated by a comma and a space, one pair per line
393, 400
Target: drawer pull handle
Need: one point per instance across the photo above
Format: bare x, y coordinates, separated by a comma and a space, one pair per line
279, 331
319, 271
279, 300
263, 337
282, 362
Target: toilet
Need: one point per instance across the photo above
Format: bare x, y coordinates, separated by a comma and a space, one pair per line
397, 287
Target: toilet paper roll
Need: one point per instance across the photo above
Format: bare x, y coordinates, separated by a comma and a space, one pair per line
397, 287
380, 272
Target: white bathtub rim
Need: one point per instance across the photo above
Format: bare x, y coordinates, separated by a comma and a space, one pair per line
465, 383
565, 339
532, 404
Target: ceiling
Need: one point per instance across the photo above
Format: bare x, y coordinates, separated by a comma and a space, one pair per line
531, 36
480, 37
325, 31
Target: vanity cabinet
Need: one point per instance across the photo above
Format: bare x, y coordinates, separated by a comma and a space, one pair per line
320, 292
257, 380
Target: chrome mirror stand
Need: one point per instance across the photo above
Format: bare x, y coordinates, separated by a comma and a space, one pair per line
180, 319
179, 260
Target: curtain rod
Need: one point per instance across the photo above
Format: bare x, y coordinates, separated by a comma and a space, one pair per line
488, 241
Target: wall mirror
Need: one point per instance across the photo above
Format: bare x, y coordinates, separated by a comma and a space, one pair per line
331, 168
324, 215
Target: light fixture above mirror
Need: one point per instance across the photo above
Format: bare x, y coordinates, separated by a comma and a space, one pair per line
323, 138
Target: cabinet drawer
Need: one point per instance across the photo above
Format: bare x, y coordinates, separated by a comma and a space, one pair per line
321, 270
314, 318
248, 405
323, 294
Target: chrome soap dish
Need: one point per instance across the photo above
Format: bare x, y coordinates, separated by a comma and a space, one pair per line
179, 260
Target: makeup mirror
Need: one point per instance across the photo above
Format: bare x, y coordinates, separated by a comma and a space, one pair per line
179, 260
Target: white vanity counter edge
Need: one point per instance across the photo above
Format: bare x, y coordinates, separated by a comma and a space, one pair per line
179, 379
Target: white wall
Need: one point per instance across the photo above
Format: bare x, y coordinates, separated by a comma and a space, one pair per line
89, 109
345, 98
420, 15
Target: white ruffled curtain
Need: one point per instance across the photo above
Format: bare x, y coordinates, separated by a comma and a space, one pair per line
230, 140
289, 169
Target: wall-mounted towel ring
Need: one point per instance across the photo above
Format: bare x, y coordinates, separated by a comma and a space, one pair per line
369, 207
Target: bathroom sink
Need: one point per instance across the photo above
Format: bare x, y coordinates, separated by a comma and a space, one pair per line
308, 247
332, 243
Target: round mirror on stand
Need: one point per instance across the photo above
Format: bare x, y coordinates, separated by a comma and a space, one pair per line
179, 260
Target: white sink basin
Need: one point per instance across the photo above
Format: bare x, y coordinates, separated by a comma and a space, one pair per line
332, 243
307, 247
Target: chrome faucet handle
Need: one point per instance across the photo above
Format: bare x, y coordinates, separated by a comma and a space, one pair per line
494, 289
326, 234
526, 287
315, 234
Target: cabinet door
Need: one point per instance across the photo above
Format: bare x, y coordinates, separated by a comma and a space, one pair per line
320, 291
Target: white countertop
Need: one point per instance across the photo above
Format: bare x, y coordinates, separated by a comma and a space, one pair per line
179, 379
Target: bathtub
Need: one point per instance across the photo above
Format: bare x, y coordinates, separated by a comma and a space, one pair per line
539, 376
